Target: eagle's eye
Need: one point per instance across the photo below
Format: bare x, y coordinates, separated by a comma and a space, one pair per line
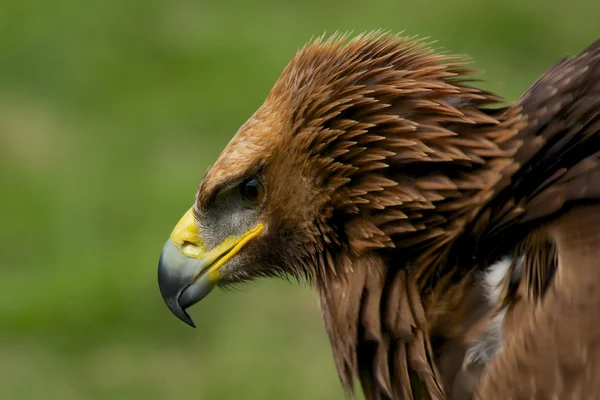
252, 190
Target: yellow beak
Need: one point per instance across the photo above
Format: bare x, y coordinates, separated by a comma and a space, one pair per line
187, 271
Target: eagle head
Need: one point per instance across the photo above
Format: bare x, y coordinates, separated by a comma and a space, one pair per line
374, 146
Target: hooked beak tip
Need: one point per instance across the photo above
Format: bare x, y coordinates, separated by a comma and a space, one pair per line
180, 313
171, 286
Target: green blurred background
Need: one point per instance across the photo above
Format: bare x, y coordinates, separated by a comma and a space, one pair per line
111, 111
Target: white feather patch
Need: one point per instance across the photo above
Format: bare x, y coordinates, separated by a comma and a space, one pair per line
493, 278
491, 340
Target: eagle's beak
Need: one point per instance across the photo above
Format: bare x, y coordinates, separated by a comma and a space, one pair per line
187, 271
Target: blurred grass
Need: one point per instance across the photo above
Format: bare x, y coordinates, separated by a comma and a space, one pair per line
110, 112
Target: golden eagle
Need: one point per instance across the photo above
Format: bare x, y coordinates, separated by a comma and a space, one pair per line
452, 238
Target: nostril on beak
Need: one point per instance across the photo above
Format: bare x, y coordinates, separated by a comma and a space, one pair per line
190, 249
187, 245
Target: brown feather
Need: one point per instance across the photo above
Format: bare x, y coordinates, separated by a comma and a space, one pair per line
392, 183
554, 350
551, 335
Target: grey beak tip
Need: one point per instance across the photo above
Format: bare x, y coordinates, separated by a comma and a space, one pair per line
184, 316
178, 311
170, 289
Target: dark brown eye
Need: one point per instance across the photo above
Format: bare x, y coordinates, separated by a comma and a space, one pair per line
252, 190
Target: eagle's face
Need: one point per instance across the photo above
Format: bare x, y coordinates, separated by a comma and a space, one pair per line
213, 244
254, 215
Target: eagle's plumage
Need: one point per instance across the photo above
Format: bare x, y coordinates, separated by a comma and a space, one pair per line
394, 186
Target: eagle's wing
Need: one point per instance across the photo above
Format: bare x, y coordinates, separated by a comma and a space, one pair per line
550, 215
559, 159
